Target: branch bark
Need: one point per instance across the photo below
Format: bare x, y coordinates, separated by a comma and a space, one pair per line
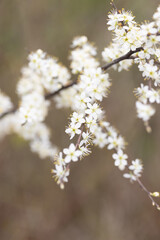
124, 57
104, 68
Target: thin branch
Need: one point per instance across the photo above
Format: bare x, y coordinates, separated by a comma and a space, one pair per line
113, 5
148, 193
47, 96
124, 57
52, 94
13, 110
79, 138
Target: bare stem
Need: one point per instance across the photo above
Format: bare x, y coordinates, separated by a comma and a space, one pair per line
47, 97
13, 110
124, 57
148, 193
113, 5
79, 138
52, 94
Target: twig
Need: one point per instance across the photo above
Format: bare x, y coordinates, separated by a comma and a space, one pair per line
47, 96
52, 94
113, 5
79, 138
124, 57
13, 110
148, 193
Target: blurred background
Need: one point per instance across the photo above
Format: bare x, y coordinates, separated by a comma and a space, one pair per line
97, 203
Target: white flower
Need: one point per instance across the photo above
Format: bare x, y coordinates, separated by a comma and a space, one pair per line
61, 174
71, 153
116, 142
100, 138
33, 108
130, 175
43, 148
142, 93
113, 21
81, 101
154, 96
77, 118
82, 57
150, 71
93, 110
59, 159
120, 159
91, 123
136, 167
79, 41
144, 111
84, 151
87, 138
73, 129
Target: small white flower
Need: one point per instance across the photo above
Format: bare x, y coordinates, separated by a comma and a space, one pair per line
116, 142
120, 159
154, 96
79, 41
91, 123
142, 93
144, 111
87, 138
61, 174
100, 139
73, 129
130, 175
71, 153
93, 110
136, 167
77, 118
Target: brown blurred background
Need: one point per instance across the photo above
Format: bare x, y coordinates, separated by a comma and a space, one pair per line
97, 203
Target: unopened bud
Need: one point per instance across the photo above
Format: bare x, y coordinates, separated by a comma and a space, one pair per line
155, 194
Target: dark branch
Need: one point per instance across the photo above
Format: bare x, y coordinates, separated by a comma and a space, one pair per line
13, 110
124, 57
47, 96
52, 94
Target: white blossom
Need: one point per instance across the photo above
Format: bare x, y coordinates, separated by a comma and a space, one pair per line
144, 111
120, 159
136, 167
71, 153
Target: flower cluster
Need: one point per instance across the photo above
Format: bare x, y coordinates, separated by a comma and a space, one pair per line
127, 36
92, 85
44, 77
83, 55
43, 74
143, 42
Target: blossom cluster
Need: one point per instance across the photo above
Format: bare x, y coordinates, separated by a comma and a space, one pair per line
86, 122
143, 41
92, 85
44, 76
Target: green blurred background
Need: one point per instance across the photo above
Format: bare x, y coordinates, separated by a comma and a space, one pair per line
97, 203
